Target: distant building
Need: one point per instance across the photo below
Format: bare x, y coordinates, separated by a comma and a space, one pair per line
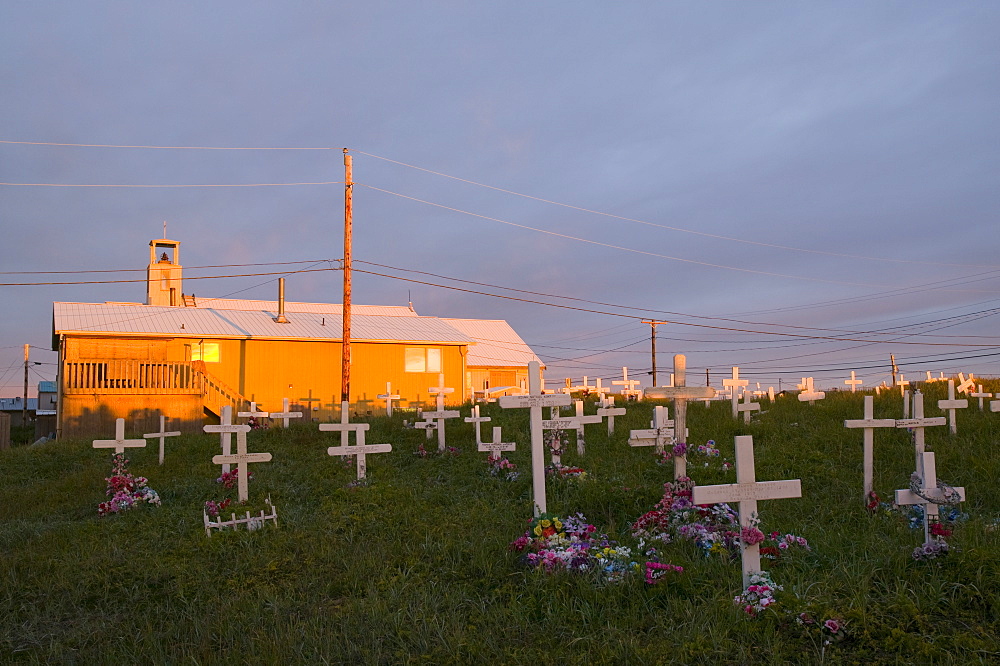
185, 357
15, 408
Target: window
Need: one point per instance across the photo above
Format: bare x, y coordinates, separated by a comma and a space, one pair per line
205, 351
419, 359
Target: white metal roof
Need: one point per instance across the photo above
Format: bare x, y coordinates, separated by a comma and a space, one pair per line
292, 306
126, 319
497, 344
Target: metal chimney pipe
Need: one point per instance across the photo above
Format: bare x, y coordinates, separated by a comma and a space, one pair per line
281, 302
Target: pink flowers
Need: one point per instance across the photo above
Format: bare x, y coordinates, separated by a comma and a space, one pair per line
655, 571
125, 490
751, 535
832, 626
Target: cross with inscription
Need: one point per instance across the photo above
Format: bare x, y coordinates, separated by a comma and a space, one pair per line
119, 443
496, 446
226, 428
163, 434
285, 414
241, 458
360, 449
951, 404
930, 495
747, 491
869, 423
917, 425
853, 382
388, 396
534, 401
734, 383
441, 413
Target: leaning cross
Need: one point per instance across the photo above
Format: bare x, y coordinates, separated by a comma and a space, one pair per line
869, 423
809, 393
680, 393
930, 495
951, 404
918, 423
496, 446
119, 443
226, 428
965, 384
388, 396
534, 400
360, 449
747, 491
476, 420
441, 413
853, 382
733, 384
241, 458
285, 414
162, 434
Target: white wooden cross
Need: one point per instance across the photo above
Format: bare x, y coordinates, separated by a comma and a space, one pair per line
163, 434
917, 424
928, 488
496, 446
427, 426
965, 384
951, 404
608, 409
659, 435
869, 423
770, 394
680, 393
226, 428
254, 413
907, 401
853, 382
559, 423
241, 458
476, 420
534, 400
119, 443
902, 383
388, 396
809, 393
747, 491
582, 420
629, 389
285, 414
734, 383
747, 407
360, 449
600, 389
440, 414
979, 394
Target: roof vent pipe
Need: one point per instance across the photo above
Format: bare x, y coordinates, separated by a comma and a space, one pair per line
281, 302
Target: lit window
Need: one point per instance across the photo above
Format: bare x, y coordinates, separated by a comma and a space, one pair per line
205, 351
419, 359
433, 360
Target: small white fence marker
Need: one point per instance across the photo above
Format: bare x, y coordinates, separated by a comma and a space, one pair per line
119, 443
747, 491
534, 400
162, 434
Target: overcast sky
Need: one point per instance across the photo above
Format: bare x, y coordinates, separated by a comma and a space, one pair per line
824, 169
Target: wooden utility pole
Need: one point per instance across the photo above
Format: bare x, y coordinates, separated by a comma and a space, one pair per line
24, 405
345, 368
652, 342
892, 360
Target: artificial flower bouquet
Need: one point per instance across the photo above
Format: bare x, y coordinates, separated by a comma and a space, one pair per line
502, 468
126, 491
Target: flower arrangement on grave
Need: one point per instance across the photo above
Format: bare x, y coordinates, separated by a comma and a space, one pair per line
502, 468
448, 451
230, 480
250, 519
759, 594
256, 424
556, 441
657, 572
214, 508
560, 471
126, 491
829, 631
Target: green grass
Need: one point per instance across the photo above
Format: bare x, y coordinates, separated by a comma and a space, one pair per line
415, 568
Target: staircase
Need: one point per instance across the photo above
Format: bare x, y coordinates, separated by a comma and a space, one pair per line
218, 393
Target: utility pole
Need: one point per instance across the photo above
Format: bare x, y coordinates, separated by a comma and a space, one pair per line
24, 405
652, 342
892, 360
345, 368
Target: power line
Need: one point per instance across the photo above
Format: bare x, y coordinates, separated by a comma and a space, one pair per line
110, 185
186, 277
113, 145
137, 270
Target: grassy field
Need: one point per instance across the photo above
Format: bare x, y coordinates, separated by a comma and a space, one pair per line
416, 568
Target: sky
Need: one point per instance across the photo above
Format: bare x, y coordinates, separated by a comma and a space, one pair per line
799, 189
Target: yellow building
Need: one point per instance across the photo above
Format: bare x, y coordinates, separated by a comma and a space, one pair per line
185, 357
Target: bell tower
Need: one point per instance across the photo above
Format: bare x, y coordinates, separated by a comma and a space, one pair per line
163, 275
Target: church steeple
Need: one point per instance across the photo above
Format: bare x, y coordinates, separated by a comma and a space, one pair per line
163, 275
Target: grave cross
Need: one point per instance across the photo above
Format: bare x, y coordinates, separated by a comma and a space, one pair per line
907, 401
733, 384
629, 390
659, 435
680, 393
388, 396
163, 434
226, 428
476, 420
285, 414
559, 423
441, 413
747, 407
979, 394
581, 422
609, 410
965, 384
747, 491
930, 494
119, 443
902, 383
853, 382
809, 393
951, 404
241, 458
600, 389
360, 449
869, 423
254, 413
534, 400
917, 425
496, 446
